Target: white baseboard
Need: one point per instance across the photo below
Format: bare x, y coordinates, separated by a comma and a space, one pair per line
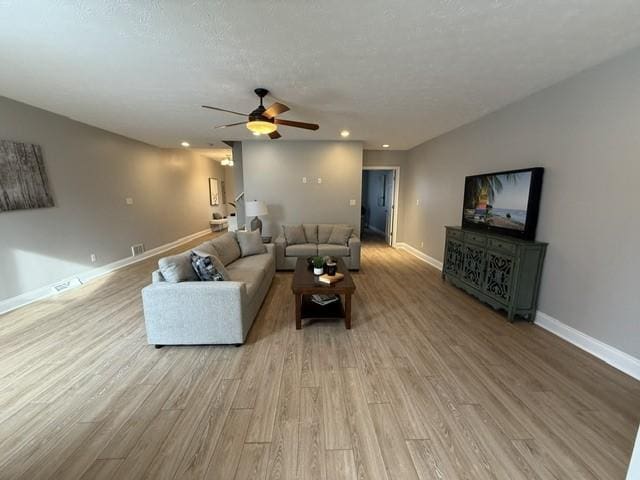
421, 255
46, 291
611, 355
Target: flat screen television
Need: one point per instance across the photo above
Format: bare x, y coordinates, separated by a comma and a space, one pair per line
504, 202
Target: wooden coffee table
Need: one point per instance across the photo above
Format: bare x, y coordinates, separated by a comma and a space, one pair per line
305, 284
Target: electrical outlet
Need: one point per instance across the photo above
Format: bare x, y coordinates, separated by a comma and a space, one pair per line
129, 201
417, 201
352, 203
319, 180
304, 179
93, 257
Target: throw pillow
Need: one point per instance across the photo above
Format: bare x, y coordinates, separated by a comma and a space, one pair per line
311, 232
340, 235
206, 249
208, 269
294, 234
177, 268
227, 247
250, 243
324, 232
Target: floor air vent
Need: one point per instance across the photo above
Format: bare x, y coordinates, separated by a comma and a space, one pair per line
62, 286
137, 249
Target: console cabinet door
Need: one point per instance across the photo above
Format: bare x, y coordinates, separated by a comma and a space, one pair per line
473, 266
500, 275
454, 258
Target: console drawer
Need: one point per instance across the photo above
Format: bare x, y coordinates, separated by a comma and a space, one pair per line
475, 238
501, 245
457, 234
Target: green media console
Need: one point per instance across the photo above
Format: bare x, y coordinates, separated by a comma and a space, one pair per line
499, 270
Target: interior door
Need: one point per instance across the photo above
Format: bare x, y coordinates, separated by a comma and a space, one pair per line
390, 206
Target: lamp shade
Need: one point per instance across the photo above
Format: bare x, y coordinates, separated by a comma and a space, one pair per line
255, 208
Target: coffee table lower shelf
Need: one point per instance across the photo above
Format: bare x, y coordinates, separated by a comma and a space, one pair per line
311, 310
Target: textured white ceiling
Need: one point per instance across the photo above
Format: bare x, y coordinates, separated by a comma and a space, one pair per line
397, 72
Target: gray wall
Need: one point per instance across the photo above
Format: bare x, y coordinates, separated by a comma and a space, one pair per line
273, 172
91, 172
585, 132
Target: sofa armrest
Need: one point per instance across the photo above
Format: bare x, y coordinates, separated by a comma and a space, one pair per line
354, 251
271, 248
281, 247
171, 309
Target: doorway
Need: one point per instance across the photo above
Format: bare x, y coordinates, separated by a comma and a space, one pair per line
379, 199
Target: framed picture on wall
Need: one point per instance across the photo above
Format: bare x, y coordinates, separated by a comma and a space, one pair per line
23, 179
214, 194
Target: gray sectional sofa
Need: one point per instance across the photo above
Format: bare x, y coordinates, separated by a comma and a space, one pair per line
208, 312
315, 240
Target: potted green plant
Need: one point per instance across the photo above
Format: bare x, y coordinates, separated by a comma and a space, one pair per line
318, 265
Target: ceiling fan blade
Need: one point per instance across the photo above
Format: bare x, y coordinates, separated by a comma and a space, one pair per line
291, 123
275, 109
230, 125
274, 135
225, 110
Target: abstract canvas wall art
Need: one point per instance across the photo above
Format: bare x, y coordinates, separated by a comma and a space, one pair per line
214, 195
23, 179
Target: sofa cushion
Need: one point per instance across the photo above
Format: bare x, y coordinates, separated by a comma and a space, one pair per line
254, 262
331, 250
310, 232
294, 234
227, 247
340, 235
206, 249
324, 232
208, 268
250, 243
251, 277
303, 250
177, 268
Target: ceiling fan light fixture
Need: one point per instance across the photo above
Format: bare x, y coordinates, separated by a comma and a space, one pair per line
261, 127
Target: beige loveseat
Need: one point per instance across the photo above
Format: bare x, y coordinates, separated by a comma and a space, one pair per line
317, 237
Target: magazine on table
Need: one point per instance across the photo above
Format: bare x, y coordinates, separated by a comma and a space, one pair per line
323, 300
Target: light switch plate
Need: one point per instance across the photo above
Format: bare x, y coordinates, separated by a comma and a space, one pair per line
352, 203
304, 179
319, 179
417, 201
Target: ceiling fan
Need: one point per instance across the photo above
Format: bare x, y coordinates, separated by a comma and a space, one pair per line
264, 121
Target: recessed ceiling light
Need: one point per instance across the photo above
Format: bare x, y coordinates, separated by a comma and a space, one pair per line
386, 145
257, 134
345, 133
185, 144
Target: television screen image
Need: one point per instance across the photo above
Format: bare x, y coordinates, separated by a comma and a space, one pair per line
506, 202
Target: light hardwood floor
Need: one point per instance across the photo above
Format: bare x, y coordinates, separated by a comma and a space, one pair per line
429, 383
